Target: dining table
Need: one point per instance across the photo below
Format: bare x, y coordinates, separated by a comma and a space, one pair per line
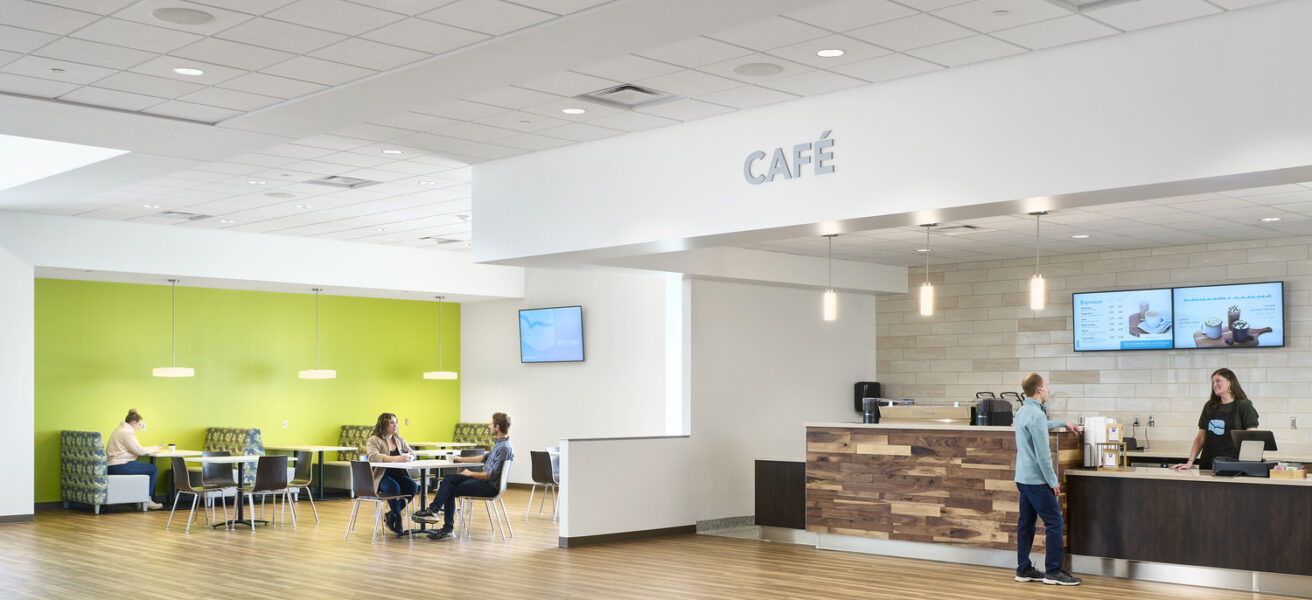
442, 444
423, 466
241, 461
318, 493
166, 453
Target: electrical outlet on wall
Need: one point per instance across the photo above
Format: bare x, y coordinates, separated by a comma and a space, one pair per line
1293, 422
284, 423
407, 421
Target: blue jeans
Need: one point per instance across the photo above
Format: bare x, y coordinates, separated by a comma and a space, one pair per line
137, 468
456, 485
395, 481
1040, 501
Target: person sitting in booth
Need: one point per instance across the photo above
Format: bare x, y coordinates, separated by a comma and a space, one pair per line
122, 450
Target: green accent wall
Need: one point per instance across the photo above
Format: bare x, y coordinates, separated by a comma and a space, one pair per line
96, 344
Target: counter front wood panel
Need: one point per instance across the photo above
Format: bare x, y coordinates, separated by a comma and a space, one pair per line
922, 485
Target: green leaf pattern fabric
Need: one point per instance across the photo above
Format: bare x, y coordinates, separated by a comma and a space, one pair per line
83, 474
475, 433
236, 441
354, 435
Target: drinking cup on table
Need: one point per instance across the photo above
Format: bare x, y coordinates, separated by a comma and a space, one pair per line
1212, 328
173, 448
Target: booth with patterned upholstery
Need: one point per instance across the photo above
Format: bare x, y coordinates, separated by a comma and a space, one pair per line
337, 473
84, 474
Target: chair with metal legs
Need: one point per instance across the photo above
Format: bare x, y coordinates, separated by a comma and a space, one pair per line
270, 480
495, 506
303, 477
544, 476
183, 483
362, 483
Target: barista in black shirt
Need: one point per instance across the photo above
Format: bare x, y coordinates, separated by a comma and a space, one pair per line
1226, 410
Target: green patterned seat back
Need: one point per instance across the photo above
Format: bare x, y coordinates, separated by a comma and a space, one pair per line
354, 435
236, 441
475, 433
83, 476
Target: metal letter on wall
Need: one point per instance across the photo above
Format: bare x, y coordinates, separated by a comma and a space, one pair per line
789, 164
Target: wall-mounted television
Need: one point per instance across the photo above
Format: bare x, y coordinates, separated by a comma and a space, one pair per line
1123, 320
551, 334
1244, 315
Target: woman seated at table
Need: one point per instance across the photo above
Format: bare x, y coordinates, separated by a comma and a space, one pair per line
123, 449
386, 445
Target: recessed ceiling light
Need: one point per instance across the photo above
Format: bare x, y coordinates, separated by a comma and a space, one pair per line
188, 71
182, 16
380, 229
150, 205
256, 182
427, 182
758, 69
226, 221
573, 111
393, 151
280, 195
830, 53
1080, 236
303, 206
923, 250
1270, 219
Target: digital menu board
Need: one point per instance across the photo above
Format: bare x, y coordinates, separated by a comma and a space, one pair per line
1123, 320
1246, 315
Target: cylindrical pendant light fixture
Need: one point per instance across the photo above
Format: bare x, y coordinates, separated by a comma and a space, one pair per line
174, 370
439, 373
927, 290
829, 303
316, 372
1038, 290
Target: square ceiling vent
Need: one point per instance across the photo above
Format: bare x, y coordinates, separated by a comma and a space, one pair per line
627, 96
343, 182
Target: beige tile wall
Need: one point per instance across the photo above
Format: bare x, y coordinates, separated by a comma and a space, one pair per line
983, 336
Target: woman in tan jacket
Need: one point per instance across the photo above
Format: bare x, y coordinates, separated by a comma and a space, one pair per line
386, 445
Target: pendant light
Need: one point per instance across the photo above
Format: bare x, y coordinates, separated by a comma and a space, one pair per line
316, 372
439, 373
829, 304
927, 290
1038, 291
174, 370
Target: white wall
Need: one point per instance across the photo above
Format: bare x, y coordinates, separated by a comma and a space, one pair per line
617, 391
17, 384
615, 486
1172, 104
763, 363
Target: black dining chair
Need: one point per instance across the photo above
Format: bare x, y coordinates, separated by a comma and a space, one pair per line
362, 483
182, 482
270, 480
302, 478
545, 476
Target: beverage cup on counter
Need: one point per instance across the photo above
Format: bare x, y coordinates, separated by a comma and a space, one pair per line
1212, 328
1240, 330
1231, 316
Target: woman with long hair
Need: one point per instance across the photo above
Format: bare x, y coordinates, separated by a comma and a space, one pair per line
1226, 410
386, 445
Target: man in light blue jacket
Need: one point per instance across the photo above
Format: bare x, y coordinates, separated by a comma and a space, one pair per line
1038, 486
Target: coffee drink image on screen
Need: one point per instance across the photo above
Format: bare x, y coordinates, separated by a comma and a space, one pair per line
1240, 330
1212, 328
1231, 316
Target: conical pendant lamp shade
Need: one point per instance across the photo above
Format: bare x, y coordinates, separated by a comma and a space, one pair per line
316, 372
173, 370
439, 373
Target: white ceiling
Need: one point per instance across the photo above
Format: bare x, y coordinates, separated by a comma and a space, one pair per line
1177, 221
450, 83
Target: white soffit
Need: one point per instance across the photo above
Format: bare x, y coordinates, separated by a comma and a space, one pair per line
28, 159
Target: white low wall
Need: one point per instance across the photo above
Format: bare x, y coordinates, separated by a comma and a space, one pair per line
618, 485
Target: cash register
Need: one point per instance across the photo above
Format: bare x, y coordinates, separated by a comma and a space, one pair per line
1251, 444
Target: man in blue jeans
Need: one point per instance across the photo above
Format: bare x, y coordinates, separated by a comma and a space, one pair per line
1038, 486
471, 483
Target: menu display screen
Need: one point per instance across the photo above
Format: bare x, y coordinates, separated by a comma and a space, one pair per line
1245, 315
1123, 320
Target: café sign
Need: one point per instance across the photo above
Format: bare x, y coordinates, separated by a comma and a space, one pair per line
818, 154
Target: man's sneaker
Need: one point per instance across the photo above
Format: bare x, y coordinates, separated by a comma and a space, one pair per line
424, 516
442, 533
1061, 578
427, 512
152, 505
1030, 574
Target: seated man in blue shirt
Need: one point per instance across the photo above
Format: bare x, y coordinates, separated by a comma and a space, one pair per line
470, 483
1038, 486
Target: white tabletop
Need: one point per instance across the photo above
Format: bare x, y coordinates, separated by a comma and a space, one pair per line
183, 453
434, 452
423, 464
243, 458
312, 448
445, 444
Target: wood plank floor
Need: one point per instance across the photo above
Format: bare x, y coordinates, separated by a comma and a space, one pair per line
74, 555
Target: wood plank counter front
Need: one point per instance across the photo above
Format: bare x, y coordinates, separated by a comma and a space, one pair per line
948, 484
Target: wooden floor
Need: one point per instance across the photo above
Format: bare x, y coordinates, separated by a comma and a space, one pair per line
74, 554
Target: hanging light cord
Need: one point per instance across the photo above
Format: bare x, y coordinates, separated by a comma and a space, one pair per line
439, 332
316, 327
173, 324
927, 226
831, 261
1037, 215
